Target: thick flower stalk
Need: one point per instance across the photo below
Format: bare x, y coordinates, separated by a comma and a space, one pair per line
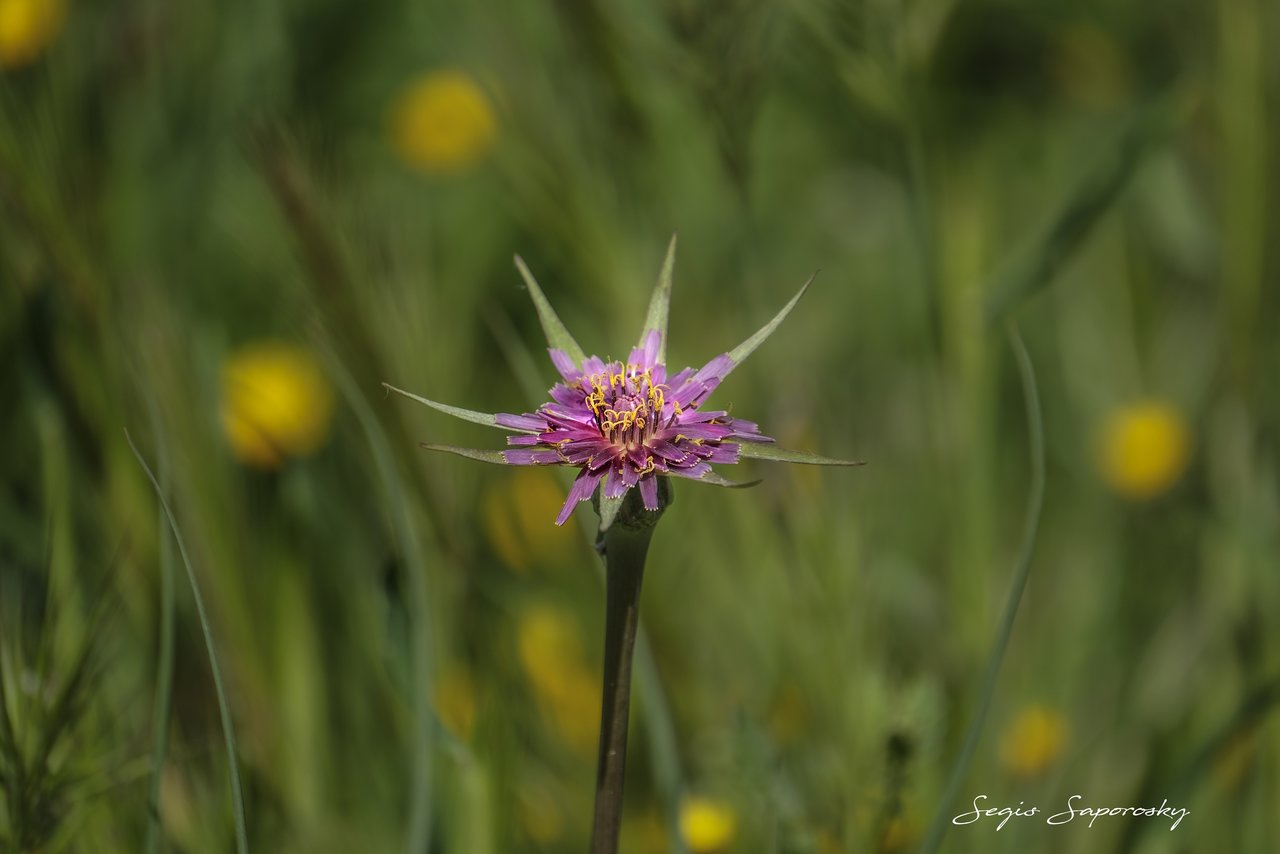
627, 425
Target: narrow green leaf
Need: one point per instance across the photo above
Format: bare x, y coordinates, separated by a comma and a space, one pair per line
458, 412
1022, 570
753, 451
483, 456
746, 348
557, 335
714, 479
1096, 193
224, 707
162, 701
418, 604
660, 303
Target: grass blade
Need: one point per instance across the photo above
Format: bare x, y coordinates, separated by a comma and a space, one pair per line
418, 832
1089, 200
164, 675
224, 709
1022, 569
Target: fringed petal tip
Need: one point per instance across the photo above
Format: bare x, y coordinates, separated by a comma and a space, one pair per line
584, 486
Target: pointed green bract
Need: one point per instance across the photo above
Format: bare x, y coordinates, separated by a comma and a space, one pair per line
457, 411
557, 335
716, 480
660, 303
746, 348
755, 451
609, 508
483, 456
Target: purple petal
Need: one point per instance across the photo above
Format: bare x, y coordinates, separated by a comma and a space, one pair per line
717, 369
582, 452
561, 393
646, 355
564, 364
691, 393
614, 487
605, 458
649, 491
680, 378
523, 439
652, 343
666, 450
697, 387
702, 416
520, 422
583, 486
532, 458
694, 471
569, 416
696, 431
724, 454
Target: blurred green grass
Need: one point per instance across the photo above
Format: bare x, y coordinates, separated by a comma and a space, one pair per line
178, 183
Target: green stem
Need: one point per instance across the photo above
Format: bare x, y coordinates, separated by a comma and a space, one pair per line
626, 544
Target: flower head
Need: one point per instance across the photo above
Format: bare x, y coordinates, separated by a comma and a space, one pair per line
624, 424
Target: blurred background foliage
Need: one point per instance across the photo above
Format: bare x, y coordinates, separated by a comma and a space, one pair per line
223, 225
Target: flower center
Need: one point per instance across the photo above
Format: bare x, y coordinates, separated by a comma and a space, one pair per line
627, 404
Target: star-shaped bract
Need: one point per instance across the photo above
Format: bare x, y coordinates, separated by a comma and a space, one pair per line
625, 424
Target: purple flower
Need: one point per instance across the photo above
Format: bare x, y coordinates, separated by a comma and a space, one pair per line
625, 424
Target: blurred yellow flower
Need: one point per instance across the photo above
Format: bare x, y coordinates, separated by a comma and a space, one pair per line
1033, 742
707, 825
276, 402
443, 122
455, 700
1143, 449
567, 690
27, 27
515, 517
